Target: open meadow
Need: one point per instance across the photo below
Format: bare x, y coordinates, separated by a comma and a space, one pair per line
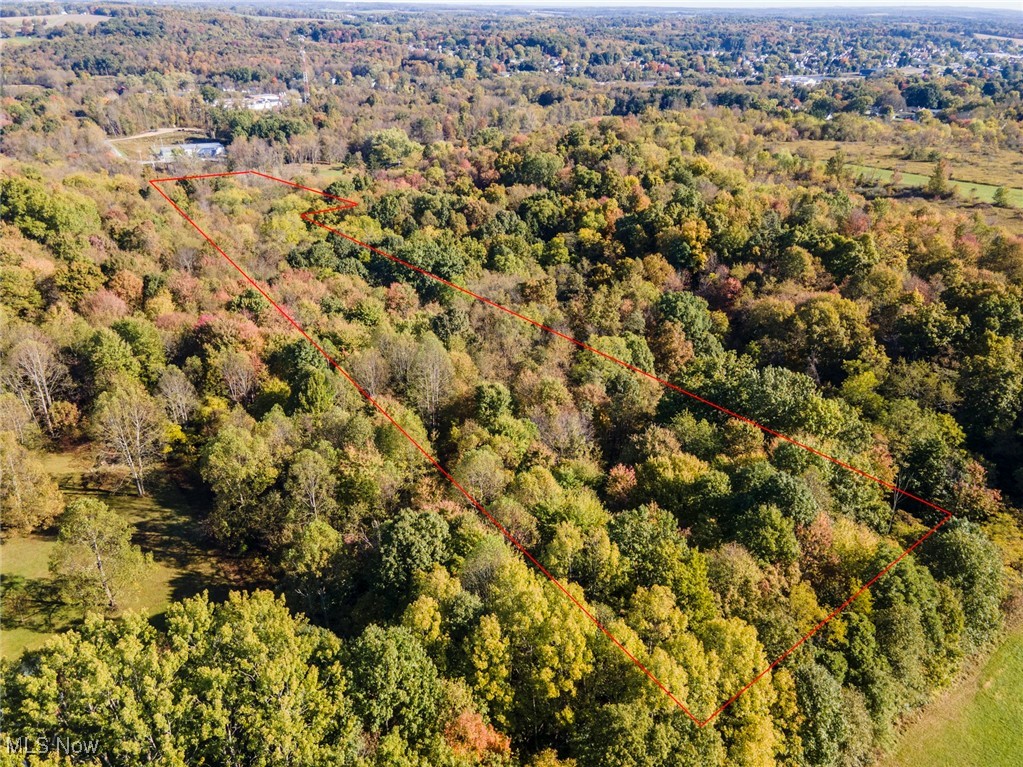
976, 723
991, 167
165, 525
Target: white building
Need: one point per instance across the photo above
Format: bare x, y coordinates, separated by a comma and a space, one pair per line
261, 102
203, 150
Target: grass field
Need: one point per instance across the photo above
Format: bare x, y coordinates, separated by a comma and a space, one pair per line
990, 167
15, 42
965, 189
165, 525
977, 723
55, 20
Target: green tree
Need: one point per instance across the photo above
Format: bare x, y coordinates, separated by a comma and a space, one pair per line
991, 385
60, 218
548, 644
824, 729
962, 556
394, 683
95, 561
315, 571
826, 333
768, 535
389, 148
911, 624
538, 168
489, 657
146, 345
29, 497
18, 290
109, 359
493, 400
746, 727
692, 315
411, 543
76, 278
317, 392
197, 694
637, 735
654, 551
938, 183
835, 166
849, 256
239, 467
272, 657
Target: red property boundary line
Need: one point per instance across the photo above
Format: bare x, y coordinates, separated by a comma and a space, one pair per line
348, 204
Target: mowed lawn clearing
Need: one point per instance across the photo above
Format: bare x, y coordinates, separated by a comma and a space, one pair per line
977, 723
166, 525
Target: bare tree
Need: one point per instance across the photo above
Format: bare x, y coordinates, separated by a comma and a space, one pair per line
311, 484
431, 381
186, 258
239, 375
400, 352
371, 370
16, 418
178, 394
32, 372
130, 424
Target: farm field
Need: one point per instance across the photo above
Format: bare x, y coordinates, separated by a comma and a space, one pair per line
165, 527
55, 19
976, 724
992, 168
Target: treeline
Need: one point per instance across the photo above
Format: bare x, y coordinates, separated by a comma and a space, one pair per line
184, 68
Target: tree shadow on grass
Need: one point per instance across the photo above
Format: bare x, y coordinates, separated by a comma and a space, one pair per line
172, 530
168, 524
35, 604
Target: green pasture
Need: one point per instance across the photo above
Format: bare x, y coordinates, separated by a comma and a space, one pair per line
166, 525
975, 724
966, 190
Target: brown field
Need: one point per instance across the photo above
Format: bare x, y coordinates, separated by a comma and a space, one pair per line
55, 19
980, 36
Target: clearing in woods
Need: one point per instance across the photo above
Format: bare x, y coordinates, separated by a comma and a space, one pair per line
165, 525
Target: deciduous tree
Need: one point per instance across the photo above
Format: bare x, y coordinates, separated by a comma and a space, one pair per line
29, 497
95, 561
130, 423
